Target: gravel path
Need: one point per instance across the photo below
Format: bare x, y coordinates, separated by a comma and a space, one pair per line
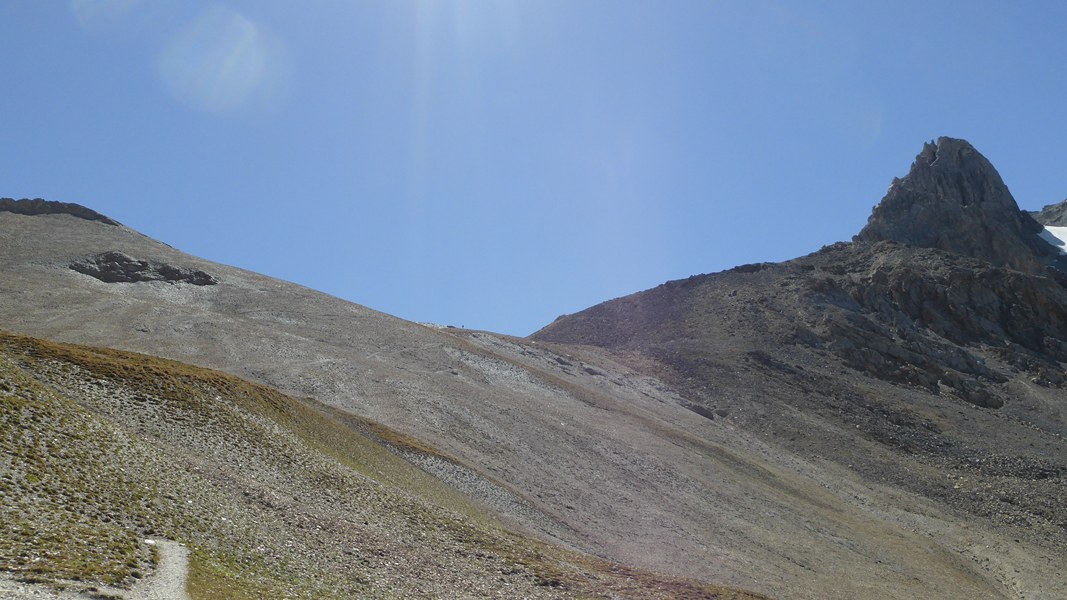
167, 583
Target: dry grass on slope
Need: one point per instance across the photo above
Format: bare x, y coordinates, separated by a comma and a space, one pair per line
275, 496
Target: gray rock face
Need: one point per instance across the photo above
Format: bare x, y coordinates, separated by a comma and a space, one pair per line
38, 206
116, 267
954, 200
1054, 215
926, 318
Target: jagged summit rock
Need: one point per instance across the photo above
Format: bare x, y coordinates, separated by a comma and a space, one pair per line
38, 206
954, 200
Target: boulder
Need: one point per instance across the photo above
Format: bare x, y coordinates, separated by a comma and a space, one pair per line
117, 267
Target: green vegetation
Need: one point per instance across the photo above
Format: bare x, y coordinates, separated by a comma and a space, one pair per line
275, 497
68, 522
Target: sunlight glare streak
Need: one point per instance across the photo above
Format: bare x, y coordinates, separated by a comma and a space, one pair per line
491, 23
100, 15
450, 37
422, 73
221, 62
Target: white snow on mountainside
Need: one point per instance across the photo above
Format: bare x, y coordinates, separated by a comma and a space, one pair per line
1057, 236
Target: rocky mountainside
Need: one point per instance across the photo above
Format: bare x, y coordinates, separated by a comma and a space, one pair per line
880, 419
927, 355
276, 497
1053, 214
568, 446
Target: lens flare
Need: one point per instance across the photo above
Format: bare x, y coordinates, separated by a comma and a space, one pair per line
221, 62
101, 15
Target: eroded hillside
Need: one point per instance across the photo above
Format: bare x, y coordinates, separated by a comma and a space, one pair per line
276, 497
844, 425
928, 355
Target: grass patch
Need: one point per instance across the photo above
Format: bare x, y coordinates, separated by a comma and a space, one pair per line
100, 448
212, 577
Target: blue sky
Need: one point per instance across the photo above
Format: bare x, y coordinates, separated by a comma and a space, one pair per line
494, 164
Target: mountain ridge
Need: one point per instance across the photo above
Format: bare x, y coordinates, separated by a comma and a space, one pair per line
1052, 214
39, 206
874, 420
954, 319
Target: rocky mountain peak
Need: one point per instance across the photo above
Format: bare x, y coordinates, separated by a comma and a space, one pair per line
954, 200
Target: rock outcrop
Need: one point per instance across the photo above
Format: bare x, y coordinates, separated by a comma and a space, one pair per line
116, 267
37, 206
937, 336
1053, 215
953, 199
925, 317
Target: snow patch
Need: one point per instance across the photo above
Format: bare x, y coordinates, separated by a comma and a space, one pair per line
1057, 236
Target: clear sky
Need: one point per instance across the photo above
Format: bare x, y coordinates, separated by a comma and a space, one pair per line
494, 163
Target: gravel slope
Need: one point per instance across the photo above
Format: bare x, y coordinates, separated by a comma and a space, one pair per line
596, 451
273, 496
